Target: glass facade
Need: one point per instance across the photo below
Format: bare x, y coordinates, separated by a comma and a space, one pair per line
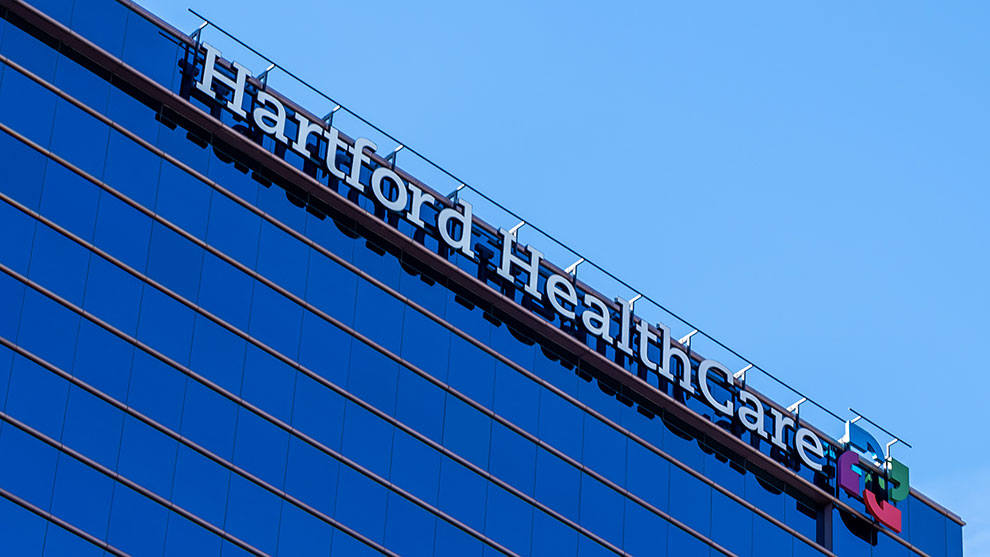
197, 361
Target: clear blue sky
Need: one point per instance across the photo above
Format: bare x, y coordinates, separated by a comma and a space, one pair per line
819, 173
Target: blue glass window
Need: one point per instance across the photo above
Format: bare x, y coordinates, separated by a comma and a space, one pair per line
558, 484
48, 329
200, 486
302, 534
186, 538
462, 494
282, 259
471, 371
379, 316
137, 524
604, 450
647, 475
927, 528
268, 383
690, 500
409, 529
70, 200
275, 320
275, 202
425, 343
59, 541
233, 229
11, 300
513, 458
79, 138
83, 80
115, 216
261, 447
132, 169
209, 419
561, 424
552, 537
420, 404
18, 228
367, 439
27, 466
156, 390
680, 542
466, 431
37, 397
147, 456
373, 377
732, 525
360, 505
175, 261
24, 168
183, 200
29, 51
26, 106
517, 397
644, 532
318, 412
331, 287
103, 360
101, 21
769, 539
324, 349
346, 546
601, 509
22, 532
508, 520
454, 542
217, 354
82, 496
417, 468
59, 264
253, 514
166, 325
311, 475
92, 427
150, 50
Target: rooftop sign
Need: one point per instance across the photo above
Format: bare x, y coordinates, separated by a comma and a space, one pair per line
520, 265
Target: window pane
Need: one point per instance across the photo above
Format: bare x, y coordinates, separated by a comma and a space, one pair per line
59, 264
260, 447
26, 107
79, 138
22, 532
24, 168
70, 200
37, 397
147, 457
301, 533
82, 496
166, 325
253, 514
409, 529
137, 524
27, 466
92, 427
360, 505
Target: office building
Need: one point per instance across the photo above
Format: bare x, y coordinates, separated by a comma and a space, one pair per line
234, 325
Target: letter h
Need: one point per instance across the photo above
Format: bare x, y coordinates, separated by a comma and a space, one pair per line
237, 84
